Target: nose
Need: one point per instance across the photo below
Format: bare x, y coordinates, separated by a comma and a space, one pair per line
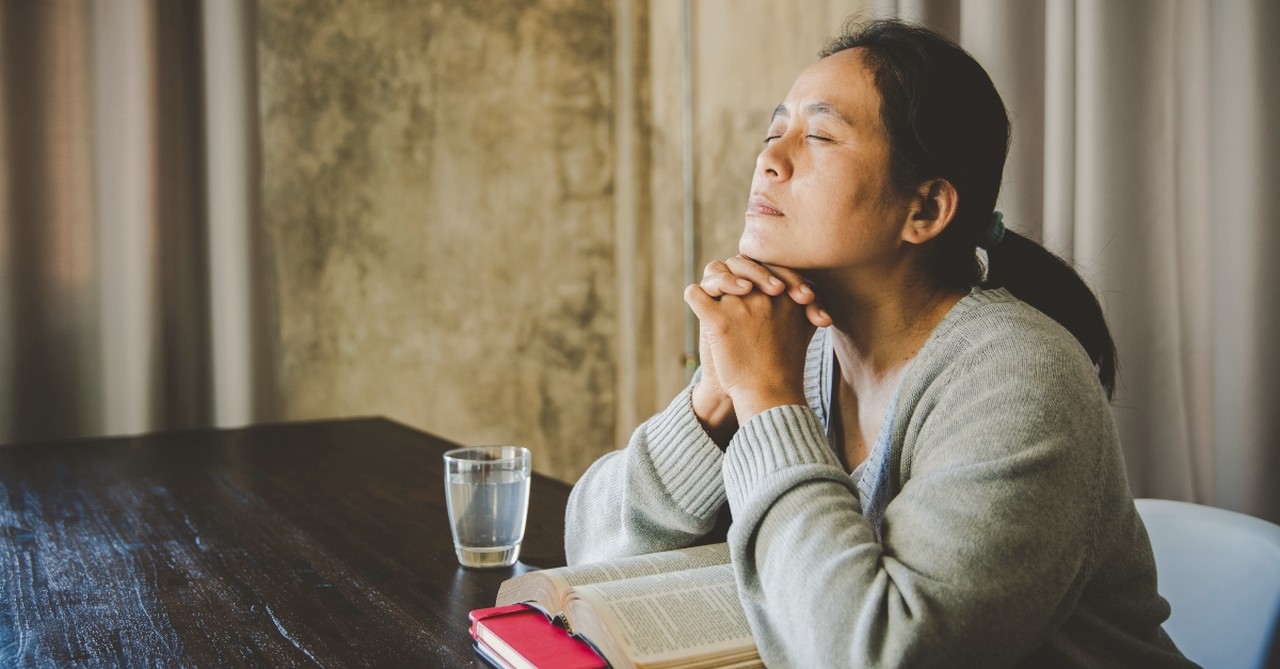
774, 162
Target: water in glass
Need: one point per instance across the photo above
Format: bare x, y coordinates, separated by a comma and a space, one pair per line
487, 509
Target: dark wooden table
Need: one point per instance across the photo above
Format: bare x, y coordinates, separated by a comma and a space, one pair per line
307, 544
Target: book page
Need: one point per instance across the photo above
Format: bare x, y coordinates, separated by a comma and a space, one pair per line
546, 587
645, 565
666, 617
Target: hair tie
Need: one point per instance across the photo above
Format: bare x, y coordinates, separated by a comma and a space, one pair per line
994, 232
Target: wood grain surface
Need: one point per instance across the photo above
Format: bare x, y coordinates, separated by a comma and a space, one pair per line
306, 544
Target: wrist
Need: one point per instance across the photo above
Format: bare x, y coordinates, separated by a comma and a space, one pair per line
748, 405
714, 410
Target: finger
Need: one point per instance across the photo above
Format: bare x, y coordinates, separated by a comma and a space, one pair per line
718, 280
797, 287
699, 301
756, 273
817, 316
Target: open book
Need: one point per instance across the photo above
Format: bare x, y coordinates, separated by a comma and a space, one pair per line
665, 610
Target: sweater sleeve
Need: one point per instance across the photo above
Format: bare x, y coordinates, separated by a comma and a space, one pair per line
982, 548
663, 491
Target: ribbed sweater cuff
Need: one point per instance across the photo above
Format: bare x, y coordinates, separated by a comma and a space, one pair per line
686, 459
773, 440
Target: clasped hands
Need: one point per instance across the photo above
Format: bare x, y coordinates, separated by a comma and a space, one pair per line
755, 322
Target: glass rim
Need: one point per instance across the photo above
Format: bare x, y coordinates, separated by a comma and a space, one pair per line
466, 453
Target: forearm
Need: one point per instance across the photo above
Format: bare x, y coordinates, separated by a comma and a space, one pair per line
662, 492
946, 587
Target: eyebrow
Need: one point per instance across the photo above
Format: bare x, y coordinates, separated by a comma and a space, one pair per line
824, 108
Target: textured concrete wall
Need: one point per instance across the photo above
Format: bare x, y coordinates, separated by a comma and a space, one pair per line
437, 183
475, 207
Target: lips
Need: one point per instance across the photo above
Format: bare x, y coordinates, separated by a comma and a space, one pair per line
759, 206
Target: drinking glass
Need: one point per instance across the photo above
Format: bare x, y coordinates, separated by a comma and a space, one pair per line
487, 492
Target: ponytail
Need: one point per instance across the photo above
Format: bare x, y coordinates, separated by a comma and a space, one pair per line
1038, 277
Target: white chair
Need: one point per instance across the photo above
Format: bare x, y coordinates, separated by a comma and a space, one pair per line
1220, 571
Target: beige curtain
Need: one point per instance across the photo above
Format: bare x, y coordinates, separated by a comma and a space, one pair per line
1145, 150
126, 189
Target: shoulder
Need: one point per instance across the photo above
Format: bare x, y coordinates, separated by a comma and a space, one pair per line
1000, 376
992, 332
1003, 397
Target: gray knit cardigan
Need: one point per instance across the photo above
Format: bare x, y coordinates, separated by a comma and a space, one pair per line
991, 526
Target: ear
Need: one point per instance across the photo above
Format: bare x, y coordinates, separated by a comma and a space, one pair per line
932, 208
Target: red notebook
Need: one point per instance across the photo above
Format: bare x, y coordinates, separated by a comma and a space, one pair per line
521, 636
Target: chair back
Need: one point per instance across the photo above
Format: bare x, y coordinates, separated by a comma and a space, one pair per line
1220, 571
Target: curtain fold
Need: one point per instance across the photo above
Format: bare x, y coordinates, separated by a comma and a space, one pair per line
1245, 168
1126, 227
1142, 151
46, 201
125, 170
110, 261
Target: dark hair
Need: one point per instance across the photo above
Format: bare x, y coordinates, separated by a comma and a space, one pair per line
945, 120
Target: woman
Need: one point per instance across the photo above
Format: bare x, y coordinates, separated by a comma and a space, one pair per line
921, 468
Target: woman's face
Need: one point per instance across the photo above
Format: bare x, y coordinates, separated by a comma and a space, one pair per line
821, 197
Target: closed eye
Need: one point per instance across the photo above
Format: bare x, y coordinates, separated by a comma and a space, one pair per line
770, 138
819, 138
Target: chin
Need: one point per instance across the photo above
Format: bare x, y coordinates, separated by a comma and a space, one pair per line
752, 247
772, 255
